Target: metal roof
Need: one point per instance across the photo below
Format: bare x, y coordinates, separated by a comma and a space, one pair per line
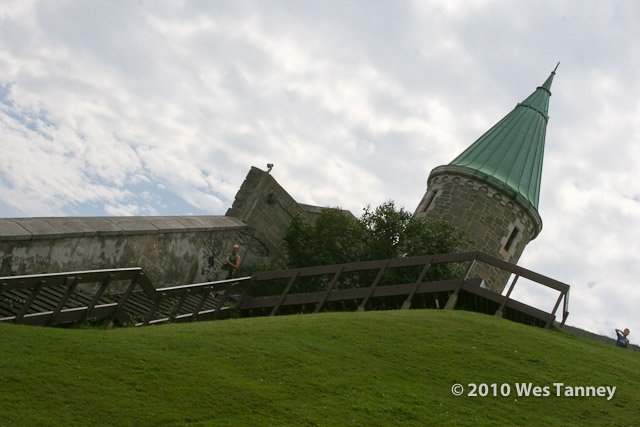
513, 149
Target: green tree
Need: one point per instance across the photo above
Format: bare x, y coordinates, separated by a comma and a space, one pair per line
335, 238
386, 230
424, 237
381, 233
435, 237
298, 240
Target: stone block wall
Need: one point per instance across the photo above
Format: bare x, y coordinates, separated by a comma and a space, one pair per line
495, 220
267, 209
171, 250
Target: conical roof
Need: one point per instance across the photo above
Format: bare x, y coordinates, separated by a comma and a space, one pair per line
512, 150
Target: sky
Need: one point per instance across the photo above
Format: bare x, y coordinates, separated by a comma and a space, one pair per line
121, 107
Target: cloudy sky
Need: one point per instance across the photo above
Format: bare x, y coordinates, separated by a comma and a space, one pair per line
161, 107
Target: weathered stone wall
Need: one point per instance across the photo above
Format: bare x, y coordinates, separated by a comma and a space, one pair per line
487, 213
267, 209
171, 250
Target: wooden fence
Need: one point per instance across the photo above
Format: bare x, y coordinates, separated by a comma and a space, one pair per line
122, 294
127, 296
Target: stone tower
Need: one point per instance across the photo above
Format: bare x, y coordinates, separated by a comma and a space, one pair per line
491, 190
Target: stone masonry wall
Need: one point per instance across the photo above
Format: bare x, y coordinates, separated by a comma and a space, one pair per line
267, 209
486, 215
171, 250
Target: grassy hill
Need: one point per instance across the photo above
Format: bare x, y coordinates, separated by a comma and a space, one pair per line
373, 368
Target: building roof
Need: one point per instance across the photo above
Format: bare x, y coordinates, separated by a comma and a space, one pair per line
512, 150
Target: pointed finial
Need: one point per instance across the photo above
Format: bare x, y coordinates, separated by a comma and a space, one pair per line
554, 70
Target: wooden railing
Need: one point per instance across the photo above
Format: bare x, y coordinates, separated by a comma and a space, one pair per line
365, 292
122, 294
126, 295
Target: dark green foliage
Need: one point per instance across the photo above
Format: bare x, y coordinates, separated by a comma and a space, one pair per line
382, 233
386, 231
435, 237
336, 238
298, 237
424, 237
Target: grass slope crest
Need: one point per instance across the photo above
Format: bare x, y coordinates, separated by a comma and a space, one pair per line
371, 368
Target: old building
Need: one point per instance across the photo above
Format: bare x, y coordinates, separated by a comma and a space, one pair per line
492, 189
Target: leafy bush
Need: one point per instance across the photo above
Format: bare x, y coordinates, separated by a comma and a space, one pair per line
381, 233
335, 238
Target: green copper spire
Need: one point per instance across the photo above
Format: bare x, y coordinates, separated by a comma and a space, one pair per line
512, 150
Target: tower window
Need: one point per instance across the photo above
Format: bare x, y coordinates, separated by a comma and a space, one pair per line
427, 202
511, 238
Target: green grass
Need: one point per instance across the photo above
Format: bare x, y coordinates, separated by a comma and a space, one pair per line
373, 368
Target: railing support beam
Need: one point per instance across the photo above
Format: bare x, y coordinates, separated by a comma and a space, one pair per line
103, 287
27, 304
364, 302
329, 289
63, 301
407, 304
453, 298
284, 293
500, 310
108, 322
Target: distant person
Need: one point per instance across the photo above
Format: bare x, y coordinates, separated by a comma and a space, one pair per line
622, 341
232, 264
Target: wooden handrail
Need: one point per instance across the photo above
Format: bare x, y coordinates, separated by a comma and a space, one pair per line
143, 301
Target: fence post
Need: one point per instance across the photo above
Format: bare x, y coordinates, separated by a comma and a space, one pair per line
284, 293
244, 292
500, 310
153, 310
407, 304
565, 313
553, 313
329, 289
64, 300
108, 322
224, 298
95, 299
177, 308
25, 308
373, 286
205, 295
453, 298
